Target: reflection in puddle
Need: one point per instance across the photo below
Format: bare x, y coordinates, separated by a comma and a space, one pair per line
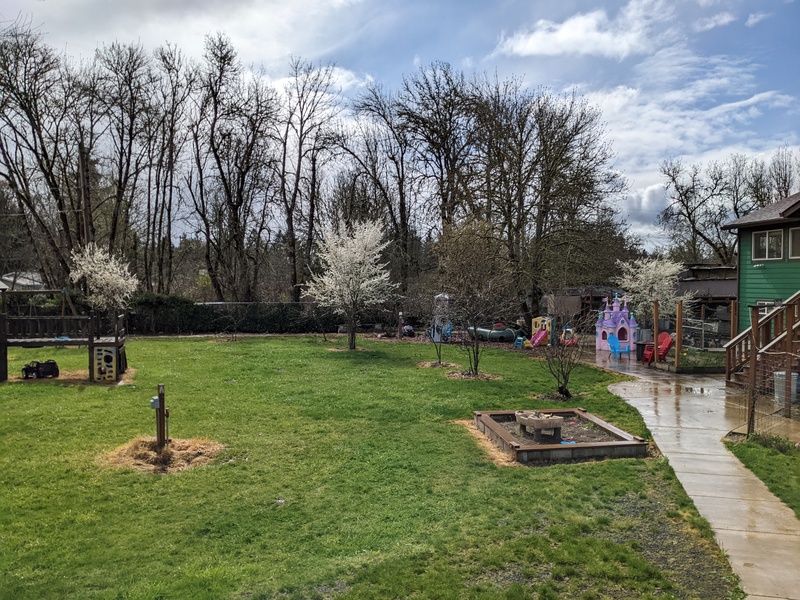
697, 390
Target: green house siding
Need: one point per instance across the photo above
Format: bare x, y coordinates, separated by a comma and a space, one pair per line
764, 279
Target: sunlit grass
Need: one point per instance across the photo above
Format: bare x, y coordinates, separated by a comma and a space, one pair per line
343, 475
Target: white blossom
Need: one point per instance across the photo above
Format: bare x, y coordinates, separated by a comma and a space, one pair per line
353, 276
646, 280
110, 284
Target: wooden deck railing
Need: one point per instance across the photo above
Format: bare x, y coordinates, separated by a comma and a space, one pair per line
771, 336
49, 327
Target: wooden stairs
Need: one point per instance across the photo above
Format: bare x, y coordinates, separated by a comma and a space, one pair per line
753, 356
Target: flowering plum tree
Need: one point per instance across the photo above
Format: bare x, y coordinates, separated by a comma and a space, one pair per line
646, 280
109, 283
353, 275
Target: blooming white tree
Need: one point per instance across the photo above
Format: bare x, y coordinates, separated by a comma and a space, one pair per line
108, 281
354, 276
646, 280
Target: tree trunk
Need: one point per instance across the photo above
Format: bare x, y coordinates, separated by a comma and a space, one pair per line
351, 333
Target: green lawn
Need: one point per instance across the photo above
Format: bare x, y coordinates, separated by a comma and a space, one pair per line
776, 462
343, 477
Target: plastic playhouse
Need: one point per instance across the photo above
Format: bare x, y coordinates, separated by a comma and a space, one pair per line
617, 321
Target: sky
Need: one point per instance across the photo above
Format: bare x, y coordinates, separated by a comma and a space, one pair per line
697, 80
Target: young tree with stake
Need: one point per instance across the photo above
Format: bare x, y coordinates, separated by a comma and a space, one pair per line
353, 275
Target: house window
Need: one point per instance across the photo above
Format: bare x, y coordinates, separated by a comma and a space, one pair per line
764, 306
794, 242
768, 245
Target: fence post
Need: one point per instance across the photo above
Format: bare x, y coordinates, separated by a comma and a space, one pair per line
3, 348
678, 333
751, 393
787, 398
655, 325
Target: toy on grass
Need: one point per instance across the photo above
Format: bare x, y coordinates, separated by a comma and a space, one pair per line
568, 336
37, 370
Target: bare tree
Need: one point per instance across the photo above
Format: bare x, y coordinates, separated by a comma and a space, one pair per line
781, 172
562, 357
231, 180
38, 145
698, 208
433, 106
475, 274
125, 86
703, 200
167, 135
304, 133
383, 151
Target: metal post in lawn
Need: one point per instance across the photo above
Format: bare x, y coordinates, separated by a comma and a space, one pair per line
161, 435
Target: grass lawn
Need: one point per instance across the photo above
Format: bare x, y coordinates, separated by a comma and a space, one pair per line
692, 357
776, 462
343, 476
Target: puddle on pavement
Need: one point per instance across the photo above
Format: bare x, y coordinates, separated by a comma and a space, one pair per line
700, 391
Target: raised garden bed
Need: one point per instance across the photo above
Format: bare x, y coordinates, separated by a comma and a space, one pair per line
583, 436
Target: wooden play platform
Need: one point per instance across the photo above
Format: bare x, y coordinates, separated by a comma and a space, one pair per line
107, 360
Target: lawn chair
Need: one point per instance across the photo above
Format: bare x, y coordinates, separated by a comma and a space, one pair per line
616, 348
665, 342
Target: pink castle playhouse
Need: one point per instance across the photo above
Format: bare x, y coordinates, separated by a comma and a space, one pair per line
619, 322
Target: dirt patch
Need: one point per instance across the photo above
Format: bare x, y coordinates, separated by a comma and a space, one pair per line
179, 455
466, 375
437, 365
497, 456
76, 377
574, 429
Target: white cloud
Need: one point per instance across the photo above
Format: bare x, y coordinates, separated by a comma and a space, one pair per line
632, 32
643, 205
718, 20
754, 18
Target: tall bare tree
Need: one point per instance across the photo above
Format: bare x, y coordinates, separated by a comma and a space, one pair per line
433, 105
383, 151
305, 134
38, 144
167, 135
231, 182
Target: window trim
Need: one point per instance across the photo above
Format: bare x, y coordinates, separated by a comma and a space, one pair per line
765, 306
766, 233
794, 253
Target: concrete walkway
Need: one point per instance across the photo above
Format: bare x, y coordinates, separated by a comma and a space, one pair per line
688, 416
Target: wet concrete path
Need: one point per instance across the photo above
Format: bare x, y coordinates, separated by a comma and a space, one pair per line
688, 417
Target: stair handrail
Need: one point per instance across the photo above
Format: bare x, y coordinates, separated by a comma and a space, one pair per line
737, 351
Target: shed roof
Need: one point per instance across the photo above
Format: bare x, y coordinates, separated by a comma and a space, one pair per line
781, 211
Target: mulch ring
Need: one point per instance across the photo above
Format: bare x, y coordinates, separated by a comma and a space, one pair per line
467, 376
142, 454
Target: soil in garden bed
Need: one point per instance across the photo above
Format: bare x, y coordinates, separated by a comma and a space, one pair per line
574, 429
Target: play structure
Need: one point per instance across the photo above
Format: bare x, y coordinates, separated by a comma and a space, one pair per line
442, 327
617, 321
107, 360
544, 333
